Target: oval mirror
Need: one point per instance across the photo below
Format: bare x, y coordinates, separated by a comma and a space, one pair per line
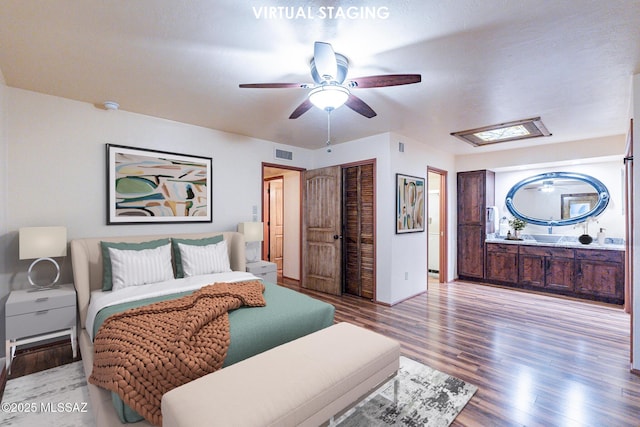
557, 198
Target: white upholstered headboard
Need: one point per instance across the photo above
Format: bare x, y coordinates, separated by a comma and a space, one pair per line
86, 260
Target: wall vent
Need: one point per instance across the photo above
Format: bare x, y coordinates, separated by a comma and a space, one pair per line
283, 154
401, 147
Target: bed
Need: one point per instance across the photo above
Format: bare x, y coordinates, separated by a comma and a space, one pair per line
287, 315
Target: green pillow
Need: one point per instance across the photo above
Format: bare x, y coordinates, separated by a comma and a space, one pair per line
106, 257
177, 257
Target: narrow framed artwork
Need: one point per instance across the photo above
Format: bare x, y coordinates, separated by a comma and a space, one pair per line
410, 198
150, 186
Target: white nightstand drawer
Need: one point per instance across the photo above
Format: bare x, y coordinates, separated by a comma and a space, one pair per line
261, 267
23, 301
40, 322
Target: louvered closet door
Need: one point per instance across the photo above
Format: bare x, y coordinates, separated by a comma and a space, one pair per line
359, 230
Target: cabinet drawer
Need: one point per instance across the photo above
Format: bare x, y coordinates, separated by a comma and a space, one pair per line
32, 303
599, 255
40, 322
546, 251
502, 247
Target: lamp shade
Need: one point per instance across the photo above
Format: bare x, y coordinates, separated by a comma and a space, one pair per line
42, 242
252, 231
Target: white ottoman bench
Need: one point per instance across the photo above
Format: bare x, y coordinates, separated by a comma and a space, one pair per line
301, 383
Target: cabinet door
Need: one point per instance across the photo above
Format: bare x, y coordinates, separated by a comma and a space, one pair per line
502, 263
559, 273
600, 274
471, 197
471, 251
531, 270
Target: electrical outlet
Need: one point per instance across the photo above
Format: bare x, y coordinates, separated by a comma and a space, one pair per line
406, 275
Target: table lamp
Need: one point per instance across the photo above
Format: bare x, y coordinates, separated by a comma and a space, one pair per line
42, 244
252, 233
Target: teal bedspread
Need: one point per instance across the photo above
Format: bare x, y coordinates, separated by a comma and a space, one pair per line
288, 315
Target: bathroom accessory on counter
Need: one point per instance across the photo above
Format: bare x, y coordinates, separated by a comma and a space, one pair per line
585, 239
601, 236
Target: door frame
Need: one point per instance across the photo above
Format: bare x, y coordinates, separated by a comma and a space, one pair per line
443, 238
262, 200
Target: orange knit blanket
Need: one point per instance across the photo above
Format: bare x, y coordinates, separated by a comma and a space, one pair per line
144, 352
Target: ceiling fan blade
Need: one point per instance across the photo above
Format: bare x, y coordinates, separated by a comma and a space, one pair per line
275, 85
302, 108
359, 106
325, 60
384, 80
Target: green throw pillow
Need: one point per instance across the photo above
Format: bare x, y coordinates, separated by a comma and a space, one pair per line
106, 257
177, 257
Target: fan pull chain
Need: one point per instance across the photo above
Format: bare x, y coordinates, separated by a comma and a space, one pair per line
328, 131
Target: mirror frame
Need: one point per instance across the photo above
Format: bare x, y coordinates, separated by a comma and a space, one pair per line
600, 189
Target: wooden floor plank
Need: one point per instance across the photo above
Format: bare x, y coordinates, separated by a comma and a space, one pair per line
538, 360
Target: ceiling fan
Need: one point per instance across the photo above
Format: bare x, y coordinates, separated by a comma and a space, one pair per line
331, 89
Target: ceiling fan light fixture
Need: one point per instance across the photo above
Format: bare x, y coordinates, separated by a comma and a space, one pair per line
329, 97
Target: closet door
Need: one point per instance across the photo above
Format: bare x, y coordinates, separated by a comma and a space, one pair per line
359, 230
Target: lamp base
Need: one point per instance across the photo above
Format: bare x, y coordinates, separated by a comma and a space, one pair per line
44, 286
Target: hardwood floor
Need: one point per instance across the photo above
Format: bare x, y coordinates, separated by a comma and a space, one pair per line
537, 360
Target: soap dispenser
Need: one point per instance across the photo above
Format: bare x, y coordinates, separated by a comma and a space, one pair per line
601, 236
503, 226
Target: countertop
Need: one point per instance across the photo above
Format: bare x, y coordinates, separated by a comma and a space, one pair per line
570, 242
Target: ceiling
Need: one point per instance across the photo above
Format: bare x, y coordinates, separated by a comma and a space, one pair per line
482, 62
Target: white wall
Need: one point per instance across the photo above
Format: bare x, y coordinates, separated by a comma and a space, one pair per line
4, 174
291, 259
635, 327
609, 173
406, 274
52, 171
567, 152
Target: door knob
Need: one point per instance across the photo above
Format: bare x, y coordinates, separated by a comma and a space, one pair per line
336, 237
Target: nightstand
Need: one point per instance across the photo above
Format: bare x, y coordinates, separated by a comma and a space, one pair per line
39, 315
264, 269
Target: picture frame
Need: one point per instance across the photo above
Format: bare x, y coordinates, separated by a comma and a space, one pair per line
410, 204
573, 205
147, 186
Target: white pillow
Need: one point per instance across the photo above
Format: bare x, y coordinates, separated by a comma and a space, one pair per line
197, 260
134, 268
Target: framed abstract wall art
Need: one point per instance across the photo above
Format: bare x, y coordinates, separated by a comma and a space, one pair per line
149, 186
409, 204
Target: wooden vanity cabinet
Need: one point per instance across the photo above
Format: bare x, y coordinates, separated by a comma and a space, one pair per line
546, 267
600, 275
475, 192
502, 263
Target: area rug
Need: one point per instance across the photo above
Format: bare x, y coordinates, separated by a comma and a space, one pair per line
55, 397
59, 397
426, 397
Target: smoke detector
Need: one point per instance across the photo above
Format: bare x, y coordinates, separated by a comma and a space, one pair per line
111, 105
